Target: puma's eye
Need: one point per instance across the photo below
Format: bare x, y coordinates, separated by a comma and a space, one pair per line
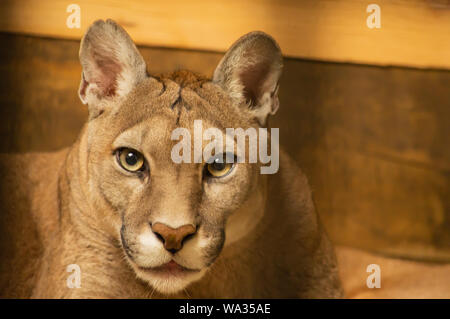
130, 159
218, 169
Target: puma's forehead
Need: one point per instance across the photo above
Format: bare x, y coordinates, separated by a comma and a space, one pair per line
149, 114
182, 97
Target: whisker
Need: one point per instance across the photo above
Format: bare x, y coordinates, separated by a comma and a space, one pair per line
153, 291
187, 293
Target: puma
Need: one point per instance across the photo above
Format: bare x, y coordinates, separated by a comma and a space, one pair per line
139, 225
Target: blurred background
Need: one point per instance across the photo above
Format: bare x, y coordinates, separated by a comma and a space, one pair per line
364, 111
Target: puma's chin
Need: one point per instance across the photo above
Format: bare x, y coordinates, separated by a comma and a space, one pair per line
169, 278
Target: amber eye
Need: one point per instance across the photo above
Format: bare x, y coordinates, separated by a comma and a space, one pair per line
131, 160
219, 167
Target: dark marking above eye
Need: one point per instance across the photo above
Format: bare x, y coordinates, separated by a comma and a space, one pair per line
163, 89
178, 100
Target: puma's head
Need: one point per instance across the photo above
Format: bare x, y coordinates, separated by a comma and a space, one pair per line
172, 219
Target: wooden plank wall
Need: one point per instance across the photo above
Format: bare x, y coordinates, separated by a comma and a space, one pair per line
413, 32
373, 141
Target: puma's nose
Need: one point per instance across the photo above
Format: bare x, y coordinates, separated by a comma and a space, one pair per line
172, 238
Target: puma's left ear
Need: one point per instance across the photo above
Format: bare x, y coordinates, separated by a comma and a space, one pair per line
111, 64
250, 71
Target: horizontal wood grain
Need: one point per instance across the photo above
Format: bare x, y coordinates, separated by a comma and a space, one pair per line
413, 33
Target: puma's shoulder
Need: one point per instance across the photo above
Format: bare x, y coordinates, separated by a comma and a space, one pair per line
291, 203
27, 194
28, 180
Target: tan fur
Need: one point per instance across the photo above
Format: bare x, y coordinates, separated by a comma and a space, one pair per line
49, 236
257, 235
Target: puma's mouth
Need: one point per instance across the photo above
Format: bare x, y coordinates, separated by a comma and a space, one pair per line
169, 278
172, 268
166, 274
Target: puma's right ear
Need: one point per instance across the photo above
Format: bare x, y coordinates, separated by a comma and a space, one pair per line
250, 71
111, 64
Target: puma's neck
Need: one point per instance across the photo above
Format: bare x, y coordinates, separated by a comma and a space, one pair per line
78, 207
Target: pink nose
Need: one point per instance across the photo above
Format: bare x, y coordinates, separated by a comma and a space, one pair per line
173, 238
